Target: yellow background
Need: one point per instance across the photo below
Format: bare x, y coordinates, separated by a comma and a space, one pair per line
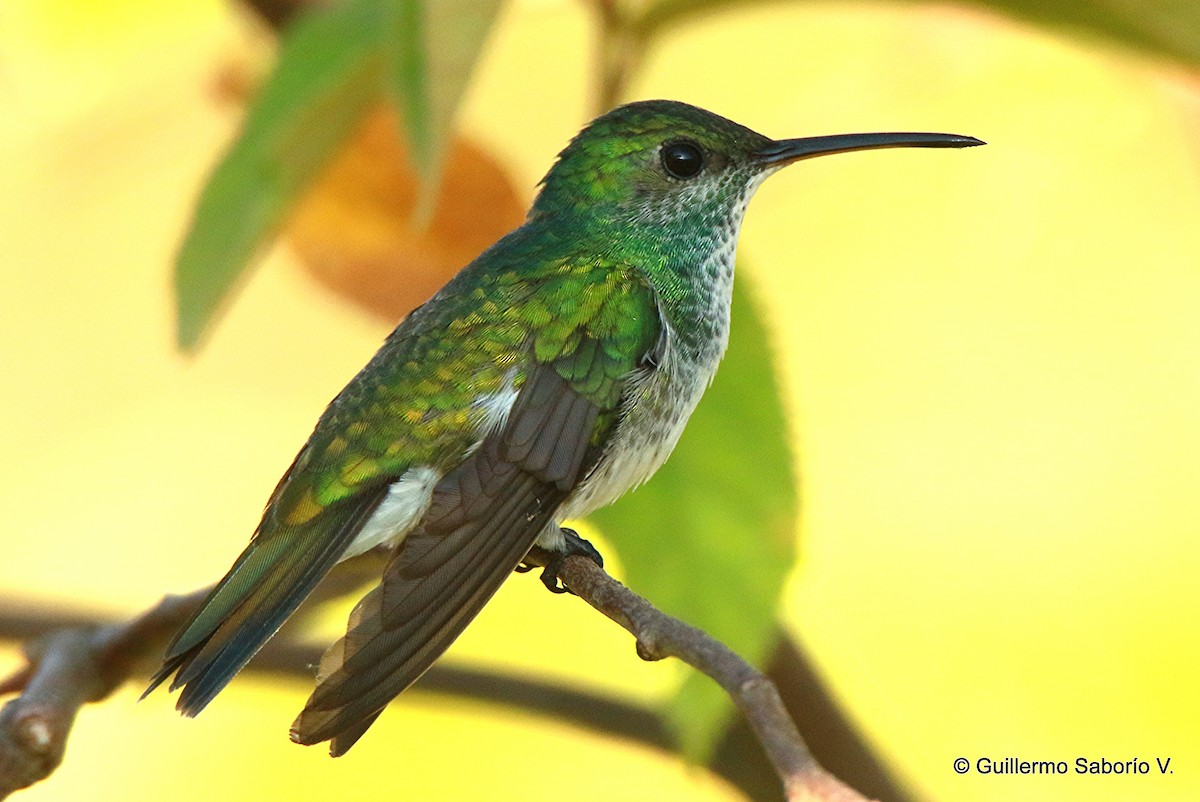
991, 357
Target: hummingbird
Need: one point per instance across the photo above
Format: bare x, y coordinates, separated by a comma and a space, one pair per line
551, 375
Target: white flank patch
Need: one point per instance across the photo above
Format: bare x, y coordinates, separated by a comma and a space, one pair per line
408, 497
551, 538
497, 405
401, 508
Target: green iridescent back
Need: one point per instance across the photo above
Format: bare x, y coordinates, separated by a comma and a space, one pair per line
420, 401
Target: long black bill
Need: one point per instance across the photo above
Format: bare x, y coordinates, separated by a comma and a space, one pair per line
786, 151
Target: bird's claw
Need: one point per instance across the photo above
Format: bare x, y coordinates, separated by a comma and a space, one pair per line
551, 561
550, 578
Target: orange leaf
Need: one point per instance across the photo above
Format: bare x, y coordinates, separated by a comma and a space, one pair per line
354, 232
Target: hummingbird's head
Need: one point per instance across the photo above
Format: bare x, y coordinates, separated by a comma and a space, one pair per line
651, 161
661, 162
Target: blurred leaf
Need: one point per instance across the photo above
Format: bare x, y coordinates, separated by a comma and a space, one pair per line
333, 64
326, 77
432, 49
354, 229
1166, 28
711, 538
1169, 28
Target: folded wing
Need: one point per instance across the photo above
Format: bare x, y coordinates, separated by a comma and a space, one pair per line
484, 517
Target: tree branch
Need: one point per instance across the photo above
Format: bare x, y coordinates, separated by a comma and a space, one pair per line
659, 635
83, 660
66, 669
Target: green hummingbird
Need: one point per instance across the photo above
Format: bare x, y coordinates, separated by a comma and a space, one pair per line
551, 375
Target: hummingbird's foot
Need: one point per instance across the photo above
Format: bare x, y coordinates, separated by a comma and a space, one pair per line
551, 561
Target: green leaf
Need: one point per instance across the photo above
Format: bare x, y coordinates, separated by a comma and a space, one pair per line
1165, 28
432, 50
327, 75
711, 538
334, 64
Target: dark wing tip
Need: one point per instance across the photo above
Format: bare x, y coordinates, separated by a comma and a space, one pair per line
312, 727
299, 734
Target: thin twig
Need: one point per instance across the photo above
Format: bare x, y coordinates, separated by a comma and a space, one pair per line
659, 635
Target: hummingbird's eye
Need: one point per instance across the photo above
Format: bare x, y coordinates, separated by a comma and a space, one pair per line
682, 159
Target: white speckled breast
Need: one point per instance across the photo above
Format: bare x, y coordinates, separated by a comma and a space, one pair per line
662, 399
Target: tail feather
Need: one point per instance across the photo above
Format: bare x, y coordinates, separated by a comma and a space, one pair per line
268, 582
